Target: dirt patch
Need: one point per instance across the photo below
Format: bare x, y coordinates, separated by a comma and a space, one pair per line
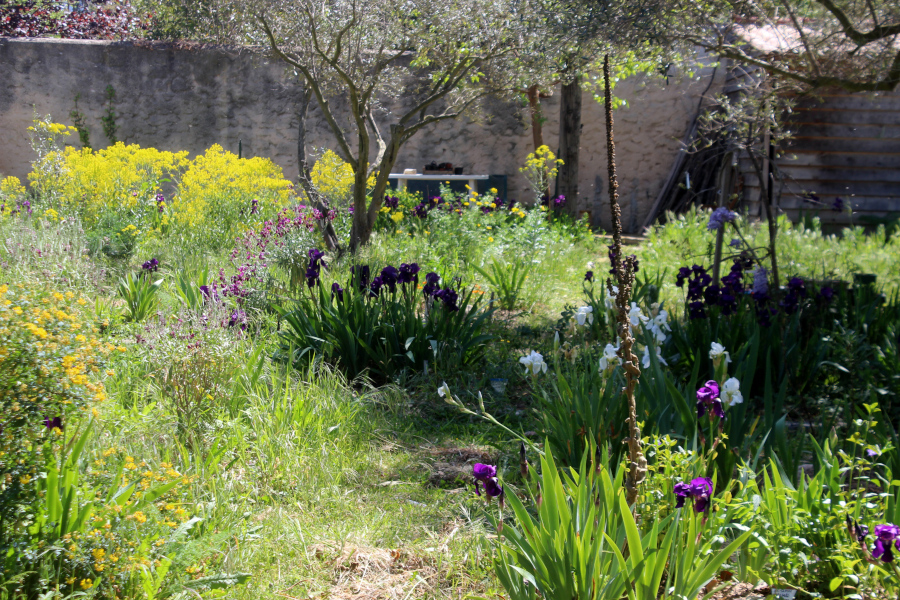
742, 591
452, 466
366, 573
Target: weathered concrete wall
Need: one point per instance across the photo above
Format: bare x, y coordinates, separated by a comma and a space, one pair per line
181, 99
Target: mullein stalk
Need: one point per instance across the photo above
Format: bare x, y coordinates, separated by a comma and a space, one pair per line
623, 269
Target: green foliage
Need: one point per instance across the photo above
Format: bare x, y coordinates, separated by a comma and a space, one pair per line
388, 334
139, 293
110, 127
506, 280
80, 124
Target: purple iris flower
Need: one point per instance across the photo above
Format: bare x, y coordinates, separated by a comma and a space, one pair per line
375, 288
54, 423
708, 397
826, 293
312, 277
421, 211
150, 266
391, 202
857, 531
316, 258
886, 536
483, 471
682, 491
389, 276
486, 479
254, 206
409, 273
160, 202
449, 298
699, 489
431, 284
589, 276
337, 290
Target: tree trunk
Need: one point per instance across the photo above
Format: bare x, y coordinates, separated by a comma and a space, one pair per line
537, 121
303, 176
569, 142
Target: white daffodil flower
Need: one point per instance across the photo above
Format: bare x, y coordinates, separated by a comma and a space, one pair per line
636, 316
584, 313
610, 359
645, 360
717, 350
534, 362
444, 391
731, 392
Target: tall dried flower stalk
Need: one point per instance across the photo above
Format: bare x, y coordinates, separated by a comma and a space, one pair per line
623, 269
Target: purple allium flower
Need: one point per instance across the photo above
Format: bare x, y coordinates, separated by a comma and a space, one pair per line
719, 217
54, 423
337, 290
375, 288
390, 275
736, 243
589, 276
886, 536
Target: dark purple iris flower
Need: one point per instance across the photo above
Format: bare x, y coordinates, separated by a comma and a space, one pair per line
375, 288
699, 489
432, 281
391, 202
390, 275
826, 293
312, 277
708, 397
448, 297
486, 479
337, 290
409, 273
316, 258
421, 211
682, 491
857, 531
254, 206
589, 276
886, 536
150, 266
54, 423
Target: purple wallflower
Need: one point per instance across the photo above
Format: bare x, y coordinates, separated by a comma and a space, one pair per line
54, 423
719, 217
886, 536
337, 290
589, 276
389, 276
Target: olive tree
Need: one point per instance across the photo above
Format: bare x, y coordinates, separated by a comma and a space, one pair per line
362, 59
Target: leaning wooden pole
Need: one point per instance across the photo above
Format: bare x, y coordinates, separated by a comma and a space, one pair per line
623, 269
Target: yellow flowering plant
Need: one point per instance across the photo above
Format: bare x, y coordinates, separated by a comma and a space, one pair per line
13, 198
333, 178
540, 167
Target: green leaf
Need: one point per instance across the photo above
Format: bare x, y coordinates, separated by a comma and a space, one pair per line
219, 581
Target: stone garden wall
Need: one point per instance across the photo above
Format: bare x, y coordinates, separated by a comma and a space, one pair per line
190, 98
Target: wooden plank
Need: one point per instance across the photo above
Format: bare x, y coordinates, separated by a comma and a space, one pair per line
810, 173
845, 189
842, 218
855, 102
857, 204
857, 146
845, 117
835, 131
835, 159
